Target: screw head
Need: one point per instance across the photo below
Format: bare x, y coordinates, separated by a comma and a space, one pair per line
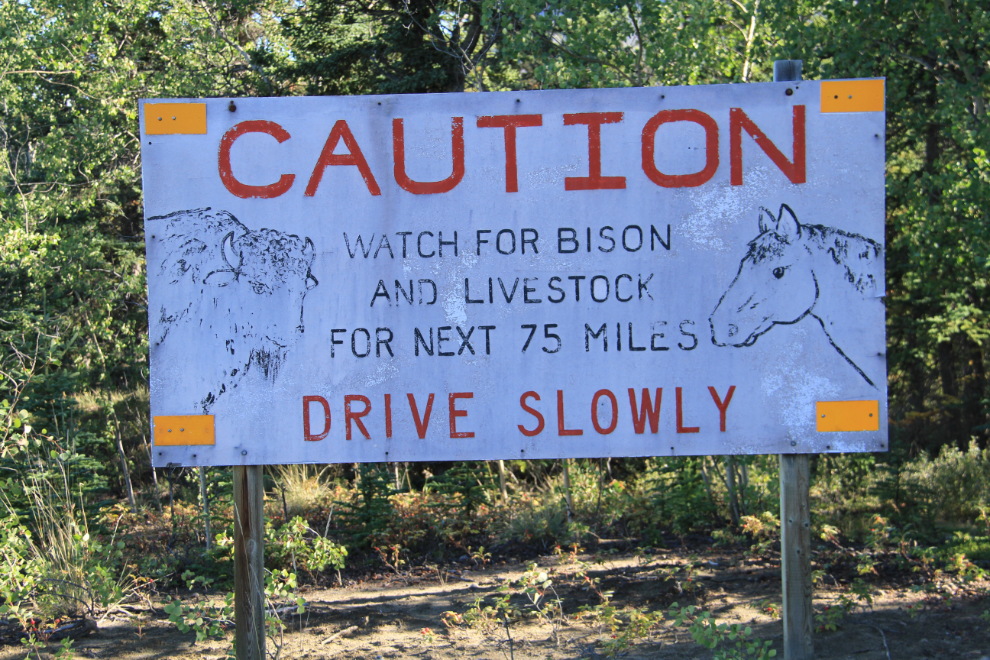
170, 430
159, 119
793, 443
789, 92
244, 452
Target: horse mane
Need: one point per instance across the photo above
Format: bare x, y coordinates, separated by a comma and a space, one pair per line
857, 254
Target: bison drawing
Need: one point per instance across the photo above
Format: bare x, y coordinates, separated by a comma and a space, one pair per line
239, 291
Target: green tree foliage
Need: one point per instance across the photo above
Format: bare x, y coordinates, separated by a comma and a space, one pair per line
395, 47
73, 312
936, 58
73, 353
634, 44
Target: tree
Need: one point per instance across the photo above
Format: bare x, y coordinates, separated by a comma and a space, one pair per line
936, 58
396, 46
635, 44
74, 314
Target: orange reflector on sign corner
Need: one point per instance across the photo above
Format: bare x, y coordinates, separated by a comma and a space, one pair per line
180, 430
844, 416
852, 95
175, 119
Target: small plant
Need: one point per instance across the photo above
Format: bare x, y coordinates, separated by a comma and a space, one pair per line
480, 556
207, 621
297, 544
769, 608
543, 598
724, 538
391, 556
486, 619
427, 636
729, 642
764, 529
830, 534
830, 618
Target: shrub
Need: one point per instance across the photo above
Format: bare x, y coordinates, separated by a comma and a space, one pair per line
953, 485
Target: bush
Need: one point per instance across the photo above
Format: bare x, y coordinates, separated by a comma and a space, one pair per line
952, 486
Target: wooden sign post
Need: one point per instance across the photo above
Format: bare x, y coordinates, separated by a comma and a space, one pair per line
249, 562
795, 513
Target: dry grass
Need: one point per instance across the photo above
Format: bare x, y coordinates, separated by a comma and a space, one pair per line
305, 487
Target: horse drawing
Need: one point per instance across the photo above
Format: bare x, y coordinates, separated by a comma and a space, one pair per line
792, 271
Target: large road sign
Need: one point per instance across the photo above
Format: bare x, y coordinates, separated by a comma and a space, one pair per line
622, 272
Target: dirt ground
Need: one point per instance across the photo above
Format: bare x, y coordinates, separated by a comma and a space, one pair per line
385, 615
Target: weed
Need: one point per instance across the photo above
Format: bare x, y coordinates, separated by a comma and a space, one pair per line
427, 636
770, 608
302, 487
487, 618
729, 642
391, 557
208, 621
543, 599
480, 556
764, 529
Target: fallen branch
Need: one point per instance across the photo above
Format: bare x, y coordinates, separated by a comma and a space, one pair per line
885, 647
343, 633
76, 629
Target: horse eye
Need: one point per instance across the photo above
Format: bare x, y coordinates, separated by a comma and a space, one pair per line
778, 272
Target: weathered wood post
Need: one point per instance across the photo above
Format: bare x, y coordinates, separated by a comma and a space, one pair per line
249, 562
795, 513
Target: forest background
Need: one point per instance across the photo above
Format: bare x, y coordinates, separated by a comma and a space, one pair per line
74, 427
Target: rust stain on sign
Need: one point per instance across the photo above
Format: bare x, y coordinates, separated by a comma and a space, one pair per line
175, 119
184, 430
852, 96
833, 416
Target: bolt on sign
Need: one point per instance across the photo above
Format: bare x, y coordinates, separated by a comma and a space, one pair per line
622, 272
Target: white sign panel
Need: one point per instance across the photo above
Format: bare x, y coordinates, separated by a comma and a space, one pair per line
622, 272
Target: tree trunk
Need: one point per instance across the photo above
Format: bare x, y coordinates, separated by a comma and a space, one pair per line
206, 507
730, 486
154, 472
567, 489
974, 387
126, 471
501, 480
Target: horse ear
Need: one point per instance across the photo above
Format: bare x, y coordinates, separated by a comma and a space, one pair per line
766, 220
788, 226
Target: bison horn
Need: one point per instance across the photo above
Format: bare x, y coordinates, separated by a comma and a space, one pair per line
223, 251
308, 248
311, 281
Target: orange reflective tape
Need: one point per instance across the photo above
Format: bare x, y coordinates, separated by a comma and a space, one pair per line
184, 430
175, 119
833, 416
852, 95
